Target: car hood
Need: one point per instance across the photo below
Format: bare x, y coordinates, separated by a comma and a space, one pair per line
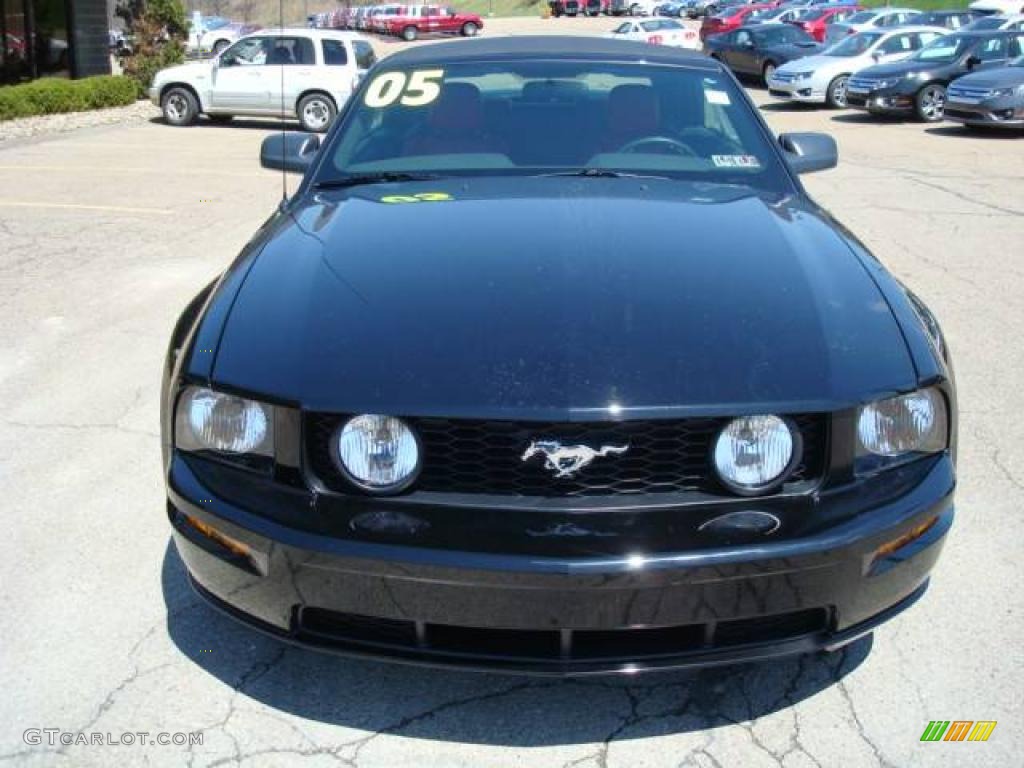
998, 77
186, 71
818, 63
901, 68
791, 51
553, 298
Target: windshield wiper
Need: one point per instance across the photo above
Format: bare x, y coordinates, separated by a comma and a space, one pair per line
383, 177
601, 173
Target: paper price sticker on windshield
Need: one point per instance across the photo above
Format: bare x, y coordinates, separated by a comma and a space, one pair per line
735, 161
717, 97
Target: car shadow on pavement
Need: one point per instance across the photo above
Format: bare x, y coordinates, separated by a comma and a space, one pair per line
961, 131
791, 106
483, 708
865, 118
265, 124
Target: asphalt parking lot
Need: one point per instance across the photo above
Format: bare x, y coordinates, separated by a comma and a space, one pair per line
105, 234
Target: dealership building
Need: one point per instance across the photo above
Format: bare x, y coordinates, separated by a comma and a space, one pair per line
53, 38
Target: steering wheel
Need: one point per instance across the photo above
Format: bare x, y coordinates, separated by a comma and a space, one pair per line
677, 147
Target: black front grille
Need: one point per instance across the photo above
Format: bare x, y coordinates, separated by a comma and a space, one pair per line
485, 457
327, 628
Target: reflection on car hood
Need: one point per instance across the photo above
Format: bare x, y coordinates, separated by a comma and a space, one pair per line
814, 63
789, 51
900, 68
552, 297
999, 77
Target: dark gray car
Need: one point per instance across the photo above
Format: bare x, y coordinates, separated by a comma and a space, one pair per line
760, 50
990, 98
917, 85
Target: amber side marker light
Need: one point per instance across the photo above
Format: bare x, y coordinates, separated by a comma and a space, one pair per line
898, 543
233, 545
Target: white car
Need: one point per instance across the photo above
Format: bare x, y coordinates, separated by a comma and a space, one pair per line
995, 22
217, 39
643, 7
658, 32
862, 21
784, 15
317, 68
1005, 7
821, 79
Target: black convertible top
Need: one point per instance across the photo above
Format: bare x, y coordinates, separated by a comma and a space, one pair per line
548, 47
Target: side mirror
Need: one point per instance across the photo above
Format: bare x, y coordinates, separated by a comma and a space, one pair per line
972, 61
876, 55
810, 152
293, 151
747, 44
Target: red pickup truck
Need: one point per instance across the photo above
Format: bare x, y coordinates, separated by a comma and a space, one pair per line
433, 19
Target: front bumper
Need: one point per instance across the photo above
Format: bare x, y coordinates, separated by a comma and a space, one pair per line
564, 616
805, 90
888, 101
998, 113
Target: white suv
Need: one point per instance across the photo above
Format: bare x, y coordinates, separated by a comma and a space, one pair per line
304, 74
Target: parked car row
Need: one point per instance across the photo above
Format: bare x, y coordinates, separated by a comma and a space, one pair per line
406, 21
953, 64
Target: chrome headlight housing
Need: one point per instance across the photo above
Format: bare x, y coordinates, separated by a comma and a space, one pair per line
998, 93
207, 420
901, 428
377, 453
754, 454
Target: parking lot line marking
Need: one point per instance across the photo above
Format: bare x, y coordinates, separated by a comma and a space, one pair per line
81, 207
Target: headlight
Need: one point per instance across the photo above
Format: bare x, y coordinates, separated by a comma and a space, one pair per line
890, 83
214, 421
997, 93
753, 453
905, 425
377, 453
802, 75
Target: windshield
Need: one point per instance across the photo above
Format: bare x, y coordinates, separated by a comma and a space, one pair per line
854, 45
944, 49
863, 17
538, 118
812, 15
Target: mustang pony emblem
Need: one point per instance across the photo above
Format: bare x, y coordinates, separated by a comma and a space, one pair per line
566, 460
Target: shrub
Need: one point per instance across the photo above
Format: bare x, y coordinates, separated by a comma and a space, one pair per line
50, 96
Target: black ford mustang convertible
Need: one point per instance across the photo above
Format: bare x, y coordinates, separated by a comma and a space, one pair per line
550, 365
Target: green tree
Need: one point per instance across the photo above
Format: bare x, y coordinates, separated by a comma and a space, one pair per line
159, 29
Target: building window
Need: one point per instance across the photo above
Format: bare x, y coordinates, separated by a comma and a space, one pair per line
35, 40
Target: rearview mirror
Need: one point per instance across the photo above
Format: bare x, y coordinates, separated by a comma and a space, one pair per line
293, 151
810, 152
